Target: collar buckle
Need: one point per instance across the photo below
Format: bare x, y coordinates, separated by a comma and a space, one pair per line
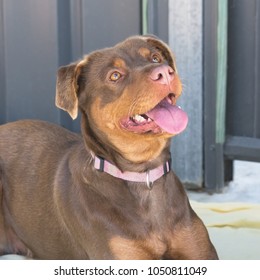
101, 164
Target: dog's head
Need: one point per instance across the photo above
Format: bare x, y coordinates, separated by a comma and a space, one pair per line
127, 95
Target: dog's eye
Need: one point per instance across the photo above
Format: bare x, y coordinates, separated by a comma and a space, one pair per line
115, 76
156, 58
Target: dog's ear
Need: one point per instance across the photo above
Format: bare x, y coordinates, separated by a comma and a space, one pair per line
67, 87
163, 47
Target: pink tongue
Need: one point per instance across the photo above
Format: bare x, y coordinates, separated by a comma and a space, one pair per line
169, 117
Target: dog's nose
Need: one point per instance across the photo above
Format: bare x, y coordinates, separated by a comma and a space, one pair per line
163, 74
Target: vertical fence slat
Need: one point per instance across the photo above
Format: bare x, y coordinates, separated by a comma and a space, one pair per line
221, 70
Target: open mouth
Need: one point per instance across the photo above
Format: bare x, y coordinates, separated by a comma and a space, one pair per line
164, 117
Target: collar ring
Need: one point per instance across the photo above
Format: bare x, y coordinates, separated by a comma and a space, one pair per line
148, 181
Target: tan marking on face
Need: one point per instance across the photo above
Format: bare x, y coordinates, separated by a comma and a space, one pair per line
119, 63
134, 147
144, 52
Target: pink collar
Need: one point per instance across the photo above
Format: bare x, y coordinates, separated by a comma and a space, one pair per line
145, 177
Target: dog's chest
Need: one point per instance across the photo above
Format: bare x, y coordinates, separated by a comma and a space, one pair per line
144, 234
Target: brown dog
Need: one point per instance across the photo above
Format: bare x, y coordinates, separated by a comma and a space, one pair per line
108, 194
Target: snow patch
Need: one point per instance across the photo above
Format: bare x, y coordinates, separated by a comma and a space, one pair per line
244, 188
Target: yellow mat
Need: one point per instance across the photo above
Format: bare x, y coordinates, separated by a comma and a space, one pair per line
234, 228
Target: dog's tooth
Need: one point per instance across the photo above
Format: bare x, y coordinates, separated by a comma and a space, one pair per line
139, 118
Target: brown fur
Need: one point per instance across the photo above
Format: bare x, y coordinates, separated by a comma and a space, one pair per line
55, 205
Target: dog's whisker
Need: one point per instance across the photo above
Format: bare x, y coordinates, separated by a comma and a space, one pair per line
132, 107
